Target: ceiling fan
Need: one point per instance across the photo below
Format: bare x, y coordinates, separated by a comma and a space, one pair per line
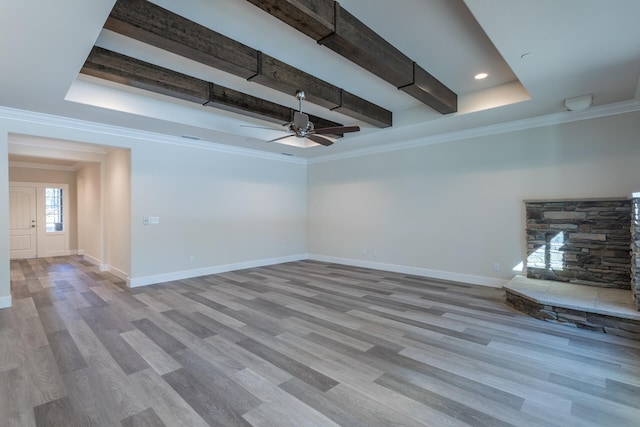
301, 127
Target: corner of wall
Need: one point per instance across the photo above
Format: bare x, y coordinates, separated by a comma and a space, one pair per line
5, 268
6, 302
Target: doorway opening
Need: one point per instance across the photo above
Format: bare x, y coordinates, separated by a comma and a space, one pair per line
75, 187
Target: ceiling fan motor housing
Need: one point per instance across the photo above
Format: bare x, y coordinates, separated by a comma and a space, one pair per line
301, 124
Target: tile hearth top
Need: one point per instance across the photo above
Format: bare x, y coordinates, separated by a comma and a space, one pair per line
606, 301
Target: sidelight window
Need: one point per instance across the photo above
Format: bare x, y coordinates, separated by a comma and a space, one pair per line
53, 209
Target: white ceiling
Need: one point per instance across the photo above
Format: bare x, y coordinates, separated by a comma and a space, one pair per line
577, 47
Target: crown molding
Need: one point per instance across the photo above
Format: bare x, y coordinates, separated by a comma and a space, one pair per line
121, 132
495, 129
33, 165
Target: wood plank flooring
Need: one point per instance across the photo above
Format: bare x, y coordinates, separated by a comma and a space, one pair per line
297, 344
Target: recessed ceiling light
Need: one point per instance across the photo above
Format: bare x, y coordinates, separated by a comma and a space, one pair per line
481, 76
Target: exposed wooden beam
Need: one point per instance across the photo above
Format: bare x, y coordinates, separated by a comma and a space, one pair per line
352, 106
112, 66
315, 18
232, 100
115, 67
285, 78
430, 91
361, 45
151, 24
346, 35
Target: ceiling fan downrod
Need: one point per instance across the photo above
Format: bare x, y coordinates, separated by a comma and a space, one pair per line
300, 95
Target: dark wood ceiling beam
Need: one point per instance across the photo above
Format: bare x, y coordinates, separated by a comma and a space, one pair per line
346, 35
285, 78
361, 45
151, 24
352, 105
314, 18
431, 91
247, 105
112, 66
118, 68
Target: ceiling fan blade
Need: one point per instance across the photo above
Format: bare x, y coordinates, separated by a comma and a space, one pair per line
337, 130
282, 137
320, 140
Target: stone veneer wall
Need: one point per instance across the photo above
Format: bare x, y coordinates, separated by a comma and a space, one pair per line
585, 242
620, 326
635, 248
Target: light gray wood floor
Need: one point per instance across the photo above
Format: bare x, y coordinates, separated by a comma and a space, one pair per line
298, 344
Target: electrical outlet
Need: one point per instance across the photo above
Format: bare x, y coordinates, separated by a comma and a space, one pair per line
496, 266
364, 252
374, 253
192, 259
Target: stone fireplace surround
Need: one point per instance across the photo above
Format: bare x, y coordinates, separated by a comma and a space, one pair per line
584, 242
583, 266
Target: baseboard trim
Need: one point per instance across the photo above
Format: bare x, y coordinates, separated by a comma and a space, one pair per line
106, 267
136, 282
59, 253
118, 273
92, 260
416, 271
6, 302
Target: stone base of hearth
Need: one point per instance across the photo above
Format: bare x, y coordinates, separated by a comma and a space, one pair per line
605, 310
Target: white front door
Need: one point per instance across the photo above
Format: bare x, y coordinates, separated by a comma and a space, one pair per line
22, 222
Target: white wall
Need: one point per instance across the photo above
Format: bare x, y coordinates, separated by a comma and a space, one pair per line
117, 198
5, 284
452, 210
90, 218
226, 208
217, 211
448, 210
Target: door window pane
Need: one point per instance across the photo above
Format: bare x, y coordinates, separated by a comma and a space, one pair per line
53, 206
